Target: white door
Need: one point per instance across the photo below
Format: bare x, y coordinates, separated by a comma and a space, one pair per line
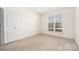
11, 32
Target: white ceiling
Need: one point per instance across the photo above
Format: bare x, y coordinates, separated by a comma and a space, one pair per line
42, 9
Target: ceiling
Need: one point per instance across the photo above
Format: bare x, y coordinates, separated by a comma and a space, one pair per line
42, 9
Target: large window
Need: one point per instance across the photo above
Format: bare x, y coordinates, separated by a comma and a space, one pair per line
55, 23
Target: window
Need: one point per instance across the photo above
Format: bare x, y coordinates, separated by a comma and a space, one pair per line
51, 23
55, 23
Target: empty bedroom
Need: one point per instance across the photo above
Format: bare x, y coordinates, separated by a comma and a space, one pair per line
39, 29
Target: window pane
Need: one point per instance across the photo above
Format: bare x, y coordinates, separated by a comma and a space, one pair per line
58, 30
51, 29
51, 19
51, 25
58, 21
58, 25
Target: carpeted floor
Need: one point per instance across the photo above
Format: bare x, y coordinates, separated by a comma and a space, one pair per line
41, 42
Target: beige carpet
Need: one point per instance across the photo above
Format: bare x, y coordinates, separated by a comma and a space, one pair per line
41, 42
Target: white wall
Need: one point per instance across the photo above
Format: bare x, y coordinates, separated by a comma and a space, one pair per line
68, 23
77, 25
27, 22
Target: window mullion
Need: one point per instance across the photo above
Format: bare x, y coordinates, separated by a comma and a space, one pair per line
54, 23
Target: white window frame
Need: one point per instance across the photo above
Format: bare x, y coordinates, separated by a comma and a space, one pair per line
55, 24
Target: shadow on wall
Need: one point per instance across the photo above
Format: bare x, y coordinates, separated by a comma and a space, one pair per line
1, 26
